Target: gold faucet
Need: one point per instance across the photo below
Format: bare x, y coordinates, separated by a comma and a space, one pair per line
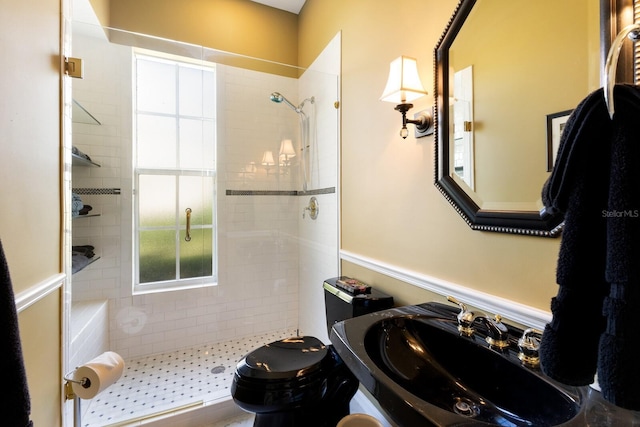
497, 332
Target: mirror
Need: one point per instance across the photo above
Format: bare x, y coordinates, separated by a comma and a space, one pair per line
508, 73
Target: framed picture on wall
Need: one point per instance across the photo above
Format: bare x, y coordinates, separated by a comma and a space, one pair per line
555, 126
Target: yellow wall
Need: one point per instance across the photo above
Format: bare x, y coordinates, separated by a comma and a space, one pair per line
102, 10
30, 219
239, 26
391, 210
40, 336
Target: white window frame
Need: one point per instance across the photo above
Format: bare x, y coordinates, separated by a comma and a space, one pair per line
178, 284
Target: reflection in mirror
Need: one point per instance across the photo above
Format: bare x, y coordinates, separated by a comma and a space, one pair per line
502, 67
463, 157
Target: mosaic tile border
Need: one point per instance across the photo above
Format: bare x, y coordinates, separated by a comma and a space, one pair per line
96, 191
328, 190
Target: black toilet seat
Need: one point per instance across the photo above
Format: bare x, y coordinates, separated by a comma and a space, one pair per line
290, 358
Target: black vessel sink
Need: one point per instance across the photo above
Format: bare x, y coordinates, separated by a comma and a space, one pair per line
423, 372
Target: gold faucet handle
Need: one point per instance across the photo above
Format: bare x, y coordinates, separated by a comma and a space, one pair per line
465, 317
462, 305
529, 345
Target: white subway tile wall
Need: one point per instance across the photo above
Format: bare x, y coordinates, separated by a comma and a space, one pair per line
91, 329
259, 241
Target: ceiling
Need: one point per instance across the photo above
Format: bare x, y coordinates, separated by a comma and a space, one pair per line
292, 6
83, 12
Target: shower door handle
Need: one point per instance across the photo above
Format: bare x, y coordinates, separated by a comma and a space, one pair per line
187, 237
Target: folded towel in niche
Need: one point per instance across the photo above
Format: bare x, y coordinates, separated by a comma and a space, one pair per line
78, 262
76, 204
16, 403
85, 250
85, 210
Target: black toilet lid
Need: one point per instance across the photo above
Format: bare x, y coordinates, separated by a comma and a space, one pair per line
288, 358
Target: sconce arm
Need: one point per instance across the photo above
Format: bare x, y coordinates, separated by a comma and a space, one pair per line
422, 123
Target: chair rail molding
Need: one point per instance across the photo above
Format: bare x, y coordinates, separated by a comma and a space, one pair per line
35, 293
510, 310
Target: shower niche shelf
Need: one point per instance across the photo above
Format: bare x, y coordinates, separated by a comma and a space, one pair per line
81, 161
79, 114
89, 215
92, 215
91, 261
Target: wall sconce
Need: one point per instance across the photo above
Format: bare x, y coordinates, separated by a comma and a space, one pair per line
267, 161
286, 152
403, 86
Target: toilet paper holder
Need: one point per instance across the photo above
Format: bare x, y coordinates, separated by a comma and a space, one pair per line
92, 378
70, 394
68, 389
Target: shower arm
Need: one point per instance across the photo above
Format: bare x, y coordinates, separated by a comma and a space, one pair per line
278, 98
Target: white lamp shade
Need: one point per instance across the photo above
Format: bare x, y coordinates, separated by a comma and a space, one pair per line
286, 148
267, 159
404, 84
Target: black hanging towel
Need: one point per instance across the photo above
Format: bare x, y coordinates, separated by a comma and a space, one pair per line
16, 404
618, 367
578, 187
596, 184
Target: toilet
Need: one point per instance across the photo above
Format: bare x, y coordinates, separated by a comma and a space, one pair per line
300, 381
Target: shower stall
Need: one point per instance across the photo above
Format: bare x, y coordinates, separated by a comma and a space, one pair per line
271, 256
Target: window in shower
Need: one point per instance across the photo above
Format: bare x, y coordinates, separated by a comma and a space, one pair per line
174, 173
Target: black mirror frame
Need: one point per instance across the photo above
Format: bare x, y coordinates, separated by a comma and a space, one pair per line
531, 223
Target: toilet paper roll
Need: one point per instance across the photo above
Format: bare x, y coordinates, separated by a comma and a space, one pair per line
97, 374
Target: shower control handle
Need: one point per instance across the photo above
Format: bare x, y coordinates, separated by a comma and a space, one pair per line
312, 208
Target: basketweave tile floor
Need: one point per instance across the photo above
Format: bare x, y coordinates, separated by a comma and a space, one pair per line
154, 384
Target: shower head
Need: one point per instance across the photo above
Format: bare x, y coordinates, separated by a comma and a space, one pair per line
278, 98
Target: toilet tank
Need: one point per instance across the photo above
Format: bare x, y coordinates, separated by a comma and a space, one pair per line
344, 300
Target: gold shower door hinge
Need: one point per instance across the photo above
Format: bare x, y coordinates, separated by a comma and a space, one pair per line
74, 67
